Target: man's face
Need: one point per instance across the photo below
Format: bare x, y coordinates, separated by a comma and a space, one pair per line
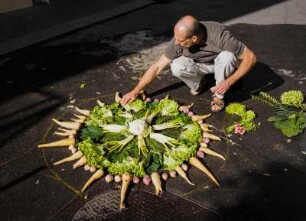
183, 40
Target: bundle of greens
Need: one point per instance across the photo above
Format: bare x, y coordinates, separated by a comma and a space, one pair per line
244, 121
290, 112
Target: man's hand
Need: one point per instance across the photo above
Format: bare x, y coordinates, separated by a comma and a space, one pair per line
129, 97
221, 88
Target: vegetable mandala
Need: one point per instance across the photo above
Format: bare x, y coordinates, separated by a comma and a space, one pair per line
145, 139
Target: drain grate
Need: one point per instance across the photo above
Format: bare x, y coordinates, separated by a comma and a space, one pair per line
141, 206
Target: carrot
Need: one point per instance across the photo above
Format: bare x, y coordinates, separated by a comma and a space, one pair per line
117, 97
59, 143
97, 175
83, 111
211, 136
73, 157
182, 173
200, 117
197, 163
126, 179
68, 125
157, 183
65, 132
81, 162
211, 152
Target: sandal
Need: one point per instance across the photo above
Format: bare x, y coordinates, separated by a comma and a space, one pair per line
217, 104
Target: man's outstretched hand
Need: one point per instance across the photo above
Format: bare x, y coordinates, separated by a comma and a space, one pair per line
129, 97
221, 88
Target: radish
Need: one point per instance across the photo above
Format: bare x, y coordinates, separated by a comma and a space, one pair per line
117, 178
109, 178
117, 97
165, 176
206, 140
148, 99
202, 144
157, 183
182, 173
97, 175
65, 132
197, 163
136, 179
190, 114
126, 179
73, 157
172, 173
184, 167
86, 167
92, 169
200, 154
146, 180
59, 143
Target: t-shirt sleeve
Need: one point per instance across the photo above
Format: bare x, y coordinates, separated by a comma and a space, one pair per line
230, 43
173, 51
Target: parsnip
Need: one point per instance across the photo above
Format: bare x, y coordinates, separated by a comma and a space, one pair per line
65, 132
100, 103
68, 125
73, 157
83, 111
59, 143
205, 128
211, 152
211, 136
126, 179
157, 183
197, 163
200, 117
97, 175
182, 173
117, 97
81, 162
182, 108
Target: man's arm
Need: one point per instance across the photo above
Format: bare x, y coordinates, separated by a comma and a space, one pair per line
248, 59
147, 78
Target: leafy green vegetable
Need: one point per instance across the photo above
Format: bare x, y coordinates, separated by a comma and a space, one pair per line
192, 133
168, 107
93, 152
93, 133
246, 117
290, 113
135, 106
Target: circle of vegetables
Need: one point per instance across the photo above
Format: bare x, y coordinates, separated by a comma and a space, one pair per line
140, 137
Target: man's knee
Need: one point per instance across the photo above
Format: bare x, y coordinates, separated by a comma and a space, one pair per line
180, 66
226, 57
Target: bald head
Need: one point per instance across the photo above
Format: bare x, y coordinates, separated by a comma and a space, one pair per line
188, 26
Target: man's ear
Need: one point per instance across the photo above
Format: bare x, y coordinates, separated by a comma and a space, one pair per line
194, 39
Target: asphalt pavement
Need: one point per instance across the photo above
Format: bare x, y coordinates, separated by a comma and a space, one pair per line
66, 54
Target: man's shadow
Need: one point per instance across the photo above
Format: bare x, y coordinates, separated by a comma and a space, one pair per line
260, 78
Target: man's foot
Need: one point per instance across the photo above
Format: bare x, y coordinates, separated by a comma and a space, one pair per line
217, 104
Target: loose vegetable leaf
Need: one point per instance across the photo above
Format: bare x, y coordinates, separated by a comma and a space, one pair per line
93, 133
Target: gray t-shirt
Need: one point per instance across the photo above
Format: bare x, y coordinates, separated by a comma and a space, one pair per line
218, 39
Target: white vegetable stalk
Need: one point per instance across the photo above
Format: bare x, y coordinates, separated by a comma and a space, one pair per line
165, 140
138, 127
114, 128
165, 126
